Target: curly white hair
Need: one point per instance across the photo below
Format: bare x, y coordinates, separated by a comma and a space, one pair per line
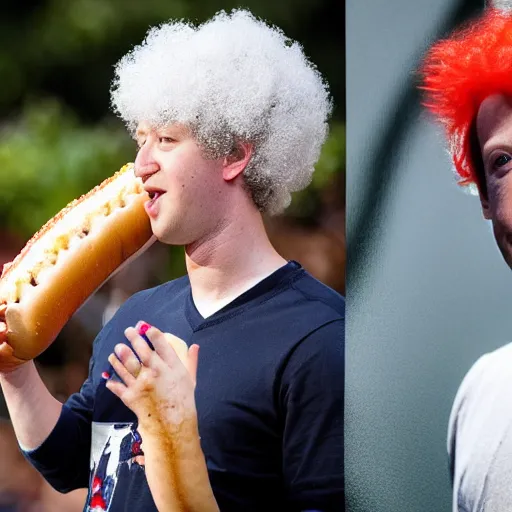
232, 78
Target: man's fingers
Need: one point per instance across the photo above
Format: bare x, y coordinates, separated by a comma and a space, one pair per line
140, 346
167, 346
163, 343
118, 388
5, 350
128, 358
8, 361
124, 374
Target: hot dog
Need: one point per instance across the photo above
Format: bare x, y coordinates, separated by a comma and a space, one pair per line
69, 258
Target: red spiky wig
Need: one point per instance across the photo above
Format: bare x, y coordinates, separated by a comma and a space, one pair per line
459, 73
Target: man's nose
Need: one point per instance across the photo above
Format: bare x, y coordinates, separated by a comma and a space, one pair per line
145, 164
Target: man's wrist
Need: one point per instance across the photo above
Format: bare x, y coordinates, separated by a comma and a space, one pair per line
17, 374
184, 431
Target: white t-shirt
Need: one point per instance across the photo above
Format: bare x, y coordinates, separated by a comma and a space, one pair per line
480, 436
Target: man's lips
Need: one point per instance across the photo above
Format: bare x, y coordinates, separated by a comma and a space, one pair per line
150, 206
153, 196
152, 191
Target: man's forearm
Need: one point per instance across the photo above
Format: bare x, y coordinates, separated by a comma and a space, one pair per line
33, 409
176, 468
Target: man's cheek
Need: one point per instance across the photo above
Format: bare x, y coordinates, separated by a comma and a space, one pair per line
500, 199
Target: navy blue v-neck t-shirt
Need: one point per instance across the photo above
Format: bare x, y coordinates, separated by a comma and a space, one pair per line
269, 395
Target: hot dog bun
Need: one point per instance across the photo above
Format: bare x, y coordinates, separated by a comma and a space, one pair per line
69, 258
179, 346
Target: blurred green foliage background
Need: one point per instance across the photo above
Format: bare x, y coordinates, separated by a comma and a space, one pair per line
58, 137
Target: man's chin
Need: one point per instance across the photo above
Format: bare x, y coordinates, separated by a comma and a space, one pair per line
156, 233
159, 230
166, 237
505, 248
170, 232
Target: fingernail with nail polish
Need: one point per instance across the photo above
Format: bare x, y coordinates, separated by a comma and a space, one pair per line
143, 328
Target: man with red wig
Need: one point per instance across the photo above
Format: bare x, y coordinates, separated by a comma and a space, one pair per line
467, 81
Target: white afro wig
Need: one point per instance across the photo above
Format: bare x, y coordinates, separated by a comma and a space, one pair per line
233, 78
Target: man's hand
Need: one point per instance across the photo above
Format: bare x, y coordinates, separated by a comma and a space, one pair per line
159, 388
8, 361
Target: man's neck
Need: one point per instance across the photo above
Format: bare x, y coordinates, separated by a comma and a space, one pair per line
229, 263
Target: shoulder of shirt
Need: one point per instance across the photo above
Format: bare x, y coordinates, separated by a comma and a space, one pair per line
486, 368
488, 371
319, 294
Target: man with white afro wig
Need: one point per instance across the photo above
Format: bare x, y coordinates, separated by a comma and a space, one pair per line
232, 79
229, 117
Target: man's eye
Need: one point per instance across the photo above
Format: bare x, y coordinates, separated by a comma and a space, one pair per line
166, 140
501, 161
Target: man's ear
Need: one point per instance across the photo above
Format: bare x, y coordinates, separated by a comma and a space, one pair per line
237, 160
